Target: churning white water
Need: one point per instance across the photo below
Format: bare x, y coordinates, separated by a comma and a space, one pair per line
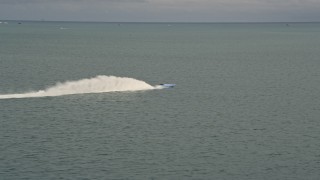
96, 84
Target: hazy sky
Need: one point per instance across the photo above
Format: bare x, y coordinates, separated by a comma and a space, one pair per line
161, 10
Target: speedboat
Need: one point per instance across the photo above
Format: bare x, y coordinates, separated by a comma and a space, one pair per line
167, 85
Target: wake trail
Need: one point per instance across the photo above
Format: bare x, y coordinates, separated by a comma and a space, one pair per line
98, 84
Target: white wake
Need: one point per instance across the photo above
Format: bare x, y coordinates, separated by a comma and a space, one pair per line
98, 84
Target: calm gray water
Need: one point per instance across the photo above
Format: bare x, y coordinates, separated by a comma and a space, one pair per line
246, 104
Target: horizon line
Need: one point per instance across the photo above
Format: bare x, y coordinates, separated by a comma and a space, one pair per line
182, 22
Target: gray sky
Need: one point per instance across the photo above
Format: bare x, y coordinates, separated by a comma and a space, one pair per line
162, 10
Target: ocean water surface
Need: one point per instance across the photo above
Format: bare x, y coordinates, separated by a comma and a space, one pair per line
79, 101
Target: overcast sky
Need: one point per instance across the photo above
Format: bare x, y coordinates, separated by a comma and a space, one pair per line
162, 10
